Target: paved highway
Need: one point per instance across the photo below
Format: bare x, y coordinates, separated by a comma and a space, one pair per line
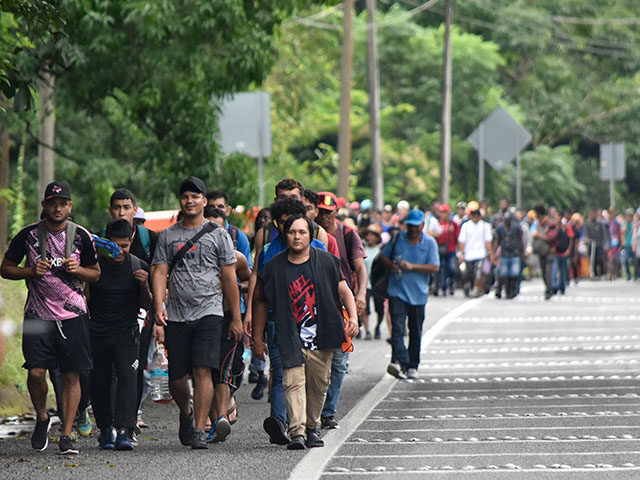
507, 389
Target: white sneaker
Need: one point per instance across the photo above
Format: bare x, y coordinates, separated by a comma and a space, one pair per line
395, 370
412, 373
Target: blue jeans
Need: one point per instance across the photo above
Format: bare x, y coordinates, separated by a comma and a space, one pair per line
630, 259
256, 365
448, 264
276, 394
338, 371
509, 267
402, 314
560, 273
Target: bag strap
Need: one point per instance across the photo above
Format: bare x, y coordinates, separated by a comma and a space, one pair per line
42, 239
394, 239
144, 239
208, 227
70, 239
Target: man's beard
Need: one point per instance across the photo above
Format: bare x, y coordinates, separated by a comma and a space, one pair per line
55, 221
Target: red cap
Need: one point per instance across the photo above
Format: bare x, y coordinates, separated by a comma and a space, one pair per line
444, 208
327, 201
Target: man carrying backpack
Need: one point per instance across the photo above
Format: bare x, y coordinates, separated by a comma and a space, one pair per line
114, 302
122, 205
60, 256
510, 252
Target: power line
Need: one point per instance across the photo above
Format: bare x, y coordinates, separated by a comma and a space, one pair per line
596, 21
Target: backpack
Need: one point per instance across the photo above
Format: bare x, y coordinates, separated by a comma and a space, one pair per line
233, 231
563, 240
379, 274
70, 238
510, 242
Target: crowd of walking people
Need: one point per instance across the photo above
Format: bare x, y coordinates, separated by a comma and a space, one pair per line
307, 279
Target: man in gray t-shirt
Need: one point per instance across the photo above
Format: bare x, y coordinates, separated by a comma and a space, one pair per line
188, 307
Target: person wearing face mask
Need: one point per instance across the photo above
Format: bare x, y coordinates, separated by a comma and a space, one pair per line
114, 302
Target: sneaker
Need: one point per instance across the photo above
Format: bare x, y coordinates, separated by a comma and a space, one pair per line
84, 423
106, 439
412, 373
198, 441
367, 336
395, 370
185, 432
133, 438
220, 431
329, 422
123, 442
258, 391
66, 446
376, 334
296, 443
276, 431
313, 439
253, 377
40, 436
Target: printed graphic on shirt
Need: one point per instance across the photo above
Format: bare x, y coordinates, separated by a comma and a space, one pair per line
57, 295
303, 303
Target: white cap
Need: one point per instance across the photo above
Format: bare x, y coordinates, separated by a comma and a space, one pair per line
404, 204
140, 214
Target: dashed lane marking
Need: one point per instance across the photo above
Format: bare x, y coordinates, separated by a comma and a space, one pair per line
312, 465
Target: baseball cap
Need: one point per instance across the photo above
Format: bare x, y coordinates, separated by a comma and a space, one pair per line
403, 204
327, 201
57, 190
139, 214
462, 205
366, 204
354, 205
388, 208
192, 184
415, 217
444, 208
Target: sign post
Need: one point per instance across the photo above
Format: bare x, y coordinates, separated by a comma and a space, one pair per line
612, 167
499, 139
245, 127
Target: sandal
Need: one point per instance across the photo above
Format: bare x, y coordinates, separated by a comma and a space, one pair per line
232, 410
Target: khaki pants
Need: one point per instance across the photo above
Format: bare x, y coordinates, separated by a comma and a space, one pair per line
305, 388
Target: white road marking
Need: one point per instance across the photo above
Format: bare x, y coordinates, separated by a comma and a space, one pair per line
312, 465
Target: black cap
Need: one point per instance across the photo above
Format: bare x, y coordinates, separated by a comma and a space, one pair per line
57, 190
192, 184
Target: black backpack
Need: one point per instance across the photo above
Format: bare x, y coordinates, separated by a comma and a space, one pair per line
563, 240
379, 273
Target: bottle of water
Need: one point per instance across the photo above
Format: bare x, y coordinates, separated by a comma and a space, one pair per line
160, 376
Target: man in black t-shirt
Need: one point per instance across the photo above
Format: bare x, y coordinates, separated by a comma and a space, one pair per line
114, 302
308, 323
122, 205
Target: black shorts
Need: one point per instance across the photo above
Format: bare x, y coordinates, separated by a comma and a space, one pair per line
193, 344
231, 365
63, 344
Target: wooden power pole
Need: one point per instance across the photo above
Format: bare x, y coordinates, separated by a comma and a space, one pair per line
344, 136
47, 120
374, 109
4, 184
445, 125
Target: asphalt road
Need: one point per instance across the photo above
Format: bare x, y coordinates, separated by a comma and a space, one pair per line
518, 388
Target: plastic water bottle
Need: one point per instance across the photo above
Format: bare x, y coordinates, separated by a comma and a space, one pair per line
160, 376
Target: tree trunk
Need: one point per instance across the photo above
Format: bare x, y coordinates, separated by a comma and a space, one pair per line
445, 125
374, 110
47, 119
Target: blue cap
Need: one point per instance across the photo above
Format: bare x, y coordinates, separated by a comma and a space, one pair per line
366, 204
415, 217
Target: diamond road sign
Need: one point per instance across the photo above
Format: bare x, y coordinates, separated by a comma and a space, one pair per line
245, 124
504, 138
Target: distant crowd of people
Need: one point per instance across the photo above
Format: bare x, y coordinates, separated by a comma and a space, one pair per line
306, 280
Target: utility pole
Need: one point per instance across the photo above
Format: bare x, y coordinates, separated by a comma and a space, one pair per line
46, 135
374, 109
4, 184
344, 137
445, 124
